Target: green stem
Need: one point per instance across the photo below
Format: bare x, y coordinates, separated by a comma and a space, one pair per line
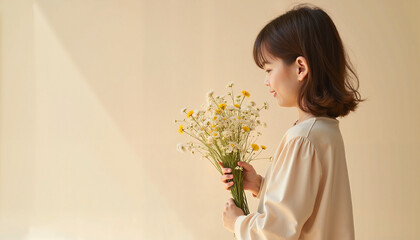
237, 190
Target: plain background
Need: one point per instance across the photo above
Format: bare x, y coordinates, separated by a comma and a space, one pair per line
89, 91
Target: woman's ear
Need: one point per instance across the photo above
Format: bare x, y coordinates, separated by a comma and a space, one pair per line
301, 68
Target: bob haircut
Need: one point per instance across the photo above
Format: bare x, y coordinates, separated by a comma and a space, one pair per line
308, 31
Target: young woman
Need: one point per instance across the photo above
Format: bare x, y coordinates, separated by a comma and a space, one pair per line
305, 193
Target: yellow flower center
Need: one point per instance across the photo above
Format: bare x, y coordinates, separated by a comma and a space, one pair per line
190, 113
255, 147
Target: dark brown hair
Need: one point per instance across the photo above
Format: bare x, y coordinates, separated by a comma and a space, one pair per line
308, 31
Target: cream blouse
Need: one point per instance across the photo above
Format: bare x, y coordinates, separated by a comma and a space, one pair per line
305, 193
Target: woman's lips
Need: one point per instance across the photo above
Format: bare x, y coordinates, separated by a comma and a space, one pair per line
275, 94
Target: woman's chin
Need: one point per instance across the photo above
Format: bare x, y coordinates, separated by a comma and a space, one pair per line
280, 102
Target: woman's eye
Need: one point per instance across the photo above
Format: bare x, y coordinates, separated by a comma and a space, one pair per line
268, 71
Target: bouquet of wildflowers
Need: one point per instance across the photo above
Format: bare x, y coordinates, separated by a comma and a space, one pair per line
225, 134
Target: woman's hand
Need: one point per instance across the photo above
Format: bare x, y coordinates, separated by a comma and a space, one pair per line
230, 214
251, 180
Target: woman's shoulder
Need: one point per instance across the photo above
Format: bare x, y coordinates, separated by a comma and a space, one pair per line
317, 130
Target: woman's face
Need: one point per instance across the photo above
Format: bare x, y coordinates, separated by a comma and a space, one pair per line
284, 80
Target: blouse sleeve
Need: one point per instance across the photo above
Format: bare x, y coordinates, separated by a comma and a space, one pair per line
290, 195
259, 192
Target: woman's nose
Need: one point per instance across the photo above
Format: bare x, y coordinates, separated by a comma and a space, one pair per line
266, 81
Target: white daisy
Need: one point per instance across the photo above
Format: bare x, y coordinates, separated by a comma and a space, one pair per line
210, 93
230, 107
239, 168
231, 147
181, 147
195, 113
226, 134
215, 134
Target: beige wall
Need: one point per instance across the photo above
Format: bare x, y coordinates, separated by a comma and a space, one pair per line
89, 91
